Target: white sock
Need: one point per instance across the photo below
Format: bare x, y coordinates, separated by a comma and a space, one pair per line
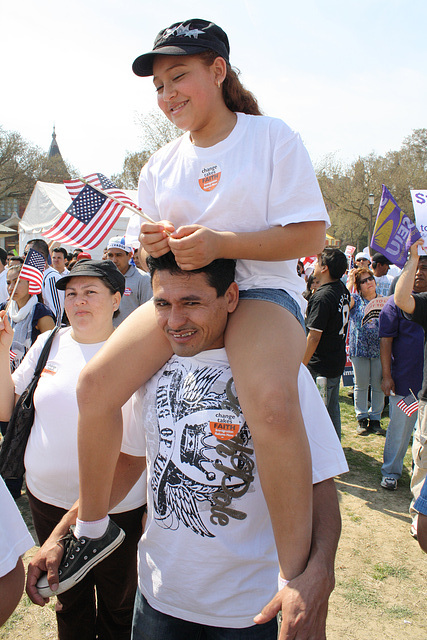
94, 529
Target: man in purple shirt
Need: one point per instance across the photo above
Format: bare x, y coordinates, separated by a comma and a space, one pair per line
402, 358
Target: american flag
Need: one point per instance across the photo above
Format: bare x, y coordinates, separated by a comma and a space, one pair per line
91, 215
32, 270
408, 405
12, 355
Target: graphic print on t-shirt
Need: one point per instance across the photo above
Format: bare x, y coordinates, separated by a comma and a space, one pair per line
209, 177
197, 477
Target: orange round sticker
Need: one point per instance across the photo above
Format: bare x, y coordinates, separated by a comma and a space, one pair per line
209, 177
224, 430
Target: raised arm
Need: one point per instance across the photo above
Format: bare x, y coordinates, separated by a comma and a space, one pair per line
404, 286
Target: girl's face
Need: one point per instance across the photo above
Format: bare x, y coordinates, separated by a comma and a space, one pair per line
187, 90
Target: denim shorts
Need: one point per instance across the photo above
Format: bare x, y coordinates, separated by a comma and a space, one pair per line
278, 296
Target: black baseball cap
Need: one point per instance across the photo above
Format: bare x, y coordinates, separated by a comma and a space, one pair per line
105, 269
378, 258
183, 39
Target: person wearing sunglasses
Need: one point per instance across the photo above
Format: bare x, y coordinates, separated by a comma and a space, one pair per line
364, 351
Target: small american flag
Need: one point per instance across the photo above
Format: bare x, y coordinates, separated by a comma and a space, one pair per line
408, 405
12, 355
91, 215
32, 270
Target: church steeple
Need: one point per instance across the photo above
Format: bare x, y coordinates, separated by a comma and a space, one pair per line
54, 149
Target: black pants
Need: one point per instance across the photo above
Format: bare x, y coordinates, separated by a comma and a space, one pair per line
101, 605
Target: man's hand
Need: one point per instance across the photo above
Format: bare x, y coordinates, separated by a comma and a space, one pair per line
47, 559
387, 385
304, 605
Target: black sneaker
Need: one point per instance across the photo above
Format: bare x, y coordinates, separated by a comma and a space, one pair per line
375, 427
80, 556
362, 427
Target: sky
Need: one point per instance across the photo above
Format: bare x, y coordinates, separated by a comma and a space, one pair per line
350, 76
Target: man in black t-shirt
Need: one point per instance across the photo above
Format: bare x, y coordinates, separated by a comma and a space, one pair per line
327, 318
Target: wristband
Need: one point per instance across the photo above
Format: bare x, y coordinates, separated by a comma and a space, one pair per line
281, 582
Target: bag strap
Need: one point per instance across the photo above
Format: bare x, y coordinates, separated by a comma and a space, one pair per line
45, 353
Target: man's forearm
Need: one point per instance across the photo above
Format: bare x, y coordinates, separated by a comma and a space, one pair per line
313, 339
326, 526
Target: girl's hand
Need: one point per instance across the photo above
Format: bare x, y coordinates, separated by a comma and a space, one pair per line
6, 332
194, 246
154, 239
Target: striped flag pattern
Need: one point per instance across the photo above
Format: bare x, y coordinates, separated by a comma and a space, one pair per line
91, 214
12, 355
32, 270
408, 405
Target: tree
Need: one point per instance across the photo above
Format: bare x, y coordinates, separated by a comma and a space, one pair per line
157, 131
22, 164
346, 188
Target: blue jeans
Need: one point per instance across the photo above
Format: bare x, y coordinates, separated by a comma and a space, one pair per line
332, 400
367, 372
150, 624
397, 439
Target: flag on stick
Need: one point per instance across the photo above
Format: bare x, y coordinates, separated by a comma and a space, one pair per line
394, 232
92, 214
32, 270
409, 404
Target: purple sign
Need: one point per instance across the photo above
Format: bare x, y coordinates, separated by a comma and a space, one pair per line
394, 232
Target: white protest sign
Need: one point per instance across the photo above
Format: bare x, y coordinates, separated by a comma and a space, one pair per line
419, 201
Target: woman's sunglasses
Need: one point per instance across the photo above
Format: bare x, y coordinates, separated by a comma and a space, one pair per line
368, 279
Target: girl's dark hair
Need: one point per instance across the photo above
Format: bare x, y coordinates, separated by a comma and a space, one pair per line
236, 97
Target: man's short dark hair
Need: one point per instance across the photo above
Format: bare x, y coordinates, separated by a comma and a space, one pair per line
335, 260
3, 256
14, 258
219, 273
41, 246
61, 250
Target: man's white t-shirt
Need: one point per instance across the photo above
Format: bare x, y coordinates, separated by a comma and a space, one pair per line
259, 177
207, 554
51, 458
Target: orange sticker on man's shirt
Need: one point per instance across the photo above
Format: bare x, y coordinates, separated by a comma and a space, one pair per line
209, 177
224, 430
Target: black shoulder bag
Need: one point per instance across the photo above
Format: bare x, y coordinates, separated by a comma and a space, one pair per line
18, 430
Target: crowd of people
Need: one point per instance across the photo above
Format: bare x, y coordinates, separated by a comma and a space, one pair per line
182, 392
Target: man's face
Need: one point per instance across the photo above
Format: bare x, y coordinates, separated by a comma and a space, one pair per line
381, 269
58, 261
190, 313
120, 259
362, 262
420, 284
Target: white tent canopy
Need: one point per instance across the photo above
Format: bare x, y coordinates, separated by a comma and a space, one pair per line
50, 200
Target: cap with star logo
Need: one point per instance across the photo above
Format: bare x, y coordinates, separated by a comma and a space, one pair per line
183, 39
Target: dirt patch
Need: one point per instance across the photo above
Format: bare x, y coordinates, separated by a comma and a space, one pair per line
381, 573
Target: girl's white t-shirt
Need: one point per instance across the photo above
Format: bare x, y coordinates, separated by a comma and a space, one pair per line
259, 177
51, 458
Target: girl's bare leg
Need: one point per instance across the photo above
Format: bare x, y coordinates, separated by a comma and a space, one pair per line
130, 357
265, 345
